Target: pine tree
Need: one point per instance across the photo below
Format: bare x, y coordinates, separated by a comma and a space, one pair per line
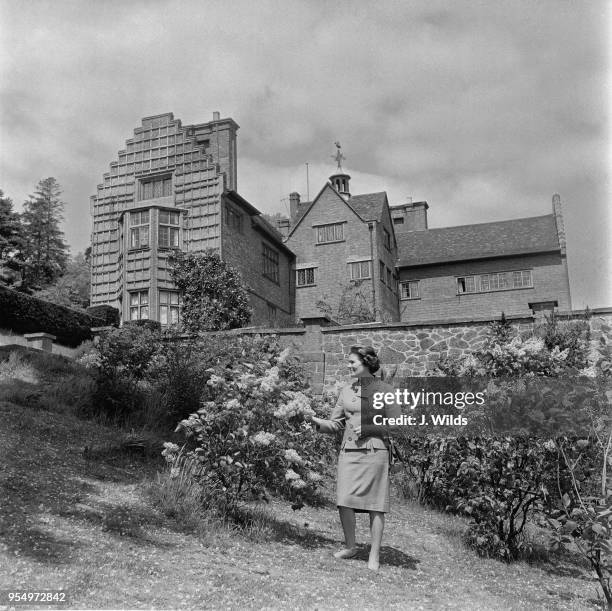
11, 240
45, 252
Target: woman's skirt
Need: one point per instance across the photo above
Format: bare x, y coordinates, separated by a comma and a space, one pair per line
363, 480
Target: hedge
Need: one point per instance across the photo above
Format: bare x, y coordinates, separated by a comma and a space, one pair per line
24, 314
107, 313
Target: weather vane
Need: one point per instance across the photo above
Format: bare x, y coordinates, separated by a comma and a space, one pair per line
338, 156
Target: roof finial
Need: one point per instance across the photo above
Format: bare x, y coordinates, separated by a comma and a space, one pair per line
338, 156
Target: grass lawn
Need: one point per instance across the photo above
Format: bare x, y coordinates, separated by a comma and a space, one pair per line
86, 526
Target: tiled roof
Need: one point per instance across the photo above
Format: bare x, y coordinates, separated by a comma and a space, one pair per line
482, 241
368, 206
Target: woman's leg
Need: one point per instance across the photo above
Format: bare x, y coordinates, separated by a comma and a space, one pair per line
377, 524
347, 519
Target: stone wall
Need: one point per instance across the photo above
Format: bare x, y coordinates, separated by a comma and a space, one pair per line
413, 349
407, 349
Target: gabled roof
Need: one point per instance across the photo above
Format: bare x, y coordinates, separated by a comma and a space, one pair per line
482, 241
259, 222
368, 206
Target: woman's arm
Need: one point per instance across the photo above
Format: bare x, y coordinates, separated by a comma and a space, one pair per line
336, 419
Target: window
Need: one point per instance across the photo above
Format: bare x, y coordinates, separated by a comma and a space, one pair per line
139, 305
389, 280
497, 281
330, 233
381, 271
270, 263
387, 238
169, 307
521, 279
409, 289
168, 233
398, 220
158, 187
139, 229
233, 218
360, 270
306, 277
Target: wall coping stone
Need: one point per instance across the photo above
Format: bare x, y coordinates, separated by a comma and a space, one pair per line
41, 335
426, 323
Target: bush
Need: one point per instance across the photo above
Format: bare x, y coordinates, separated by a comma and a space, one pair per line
249, 436
106, 313
25, 314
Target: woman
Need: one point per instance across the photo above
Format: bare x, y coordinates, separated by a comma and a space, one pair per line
363, 463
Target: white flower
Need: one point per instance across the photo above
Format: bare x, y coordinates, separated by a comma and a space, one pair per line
170, 449
233, 404
298, 483
313, 476
262, 438
174, 472
292, 456
215, 381
299, 405
549, 444
291, 475
282, 357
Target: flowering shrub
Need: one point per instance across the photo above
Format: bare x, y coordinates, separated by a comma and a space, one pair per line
249, 435
503, 482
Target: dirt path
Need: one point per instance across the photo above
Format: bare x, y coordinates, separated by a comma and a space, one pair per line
67, 522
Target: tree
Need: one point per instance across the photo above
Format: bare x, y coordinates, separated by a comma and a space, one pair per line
214, 297
45, 253
354, 305
72, 288
11, 240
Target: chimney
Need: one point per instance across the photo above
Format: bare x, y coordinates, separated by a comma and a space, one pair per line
294, 204
556, 206
411, 216
283, 227
216, 116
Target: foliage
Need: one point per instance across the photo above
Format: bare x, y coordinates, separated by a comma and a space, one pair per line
249, 436
45, 254
11, 239
71, 289
503, 482
214, 297
121, 361
354, 305
108, 314
25, 314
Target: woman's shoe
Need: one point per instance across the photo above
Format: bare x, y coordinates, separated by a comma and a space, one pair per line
346, 553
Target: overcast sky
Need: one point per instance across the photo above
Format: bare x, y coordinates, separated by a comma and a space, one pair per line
482, 108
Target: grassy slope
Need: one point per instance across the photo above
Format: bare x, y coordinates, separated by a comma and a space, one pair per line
86, 526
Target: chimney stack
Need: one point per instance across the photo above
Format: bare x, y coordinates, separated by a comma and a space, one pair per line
294, 204
556, 206
216, 116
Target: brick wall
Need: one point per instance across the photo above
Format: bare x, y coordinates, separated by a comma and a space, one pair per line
242, 249
438, 296
330, 260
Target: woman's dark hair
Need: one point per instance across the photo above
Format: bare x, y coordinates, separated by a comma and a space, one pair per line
367, 355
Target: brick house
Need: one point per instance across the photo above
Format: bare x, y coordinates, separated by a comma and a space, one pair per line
346, 253
517, 266
173, 186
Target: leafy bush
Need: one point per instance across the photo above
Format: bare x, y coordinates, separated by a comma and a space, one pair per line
503, 482
214, 297
249, 436
106, 313
25, 314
